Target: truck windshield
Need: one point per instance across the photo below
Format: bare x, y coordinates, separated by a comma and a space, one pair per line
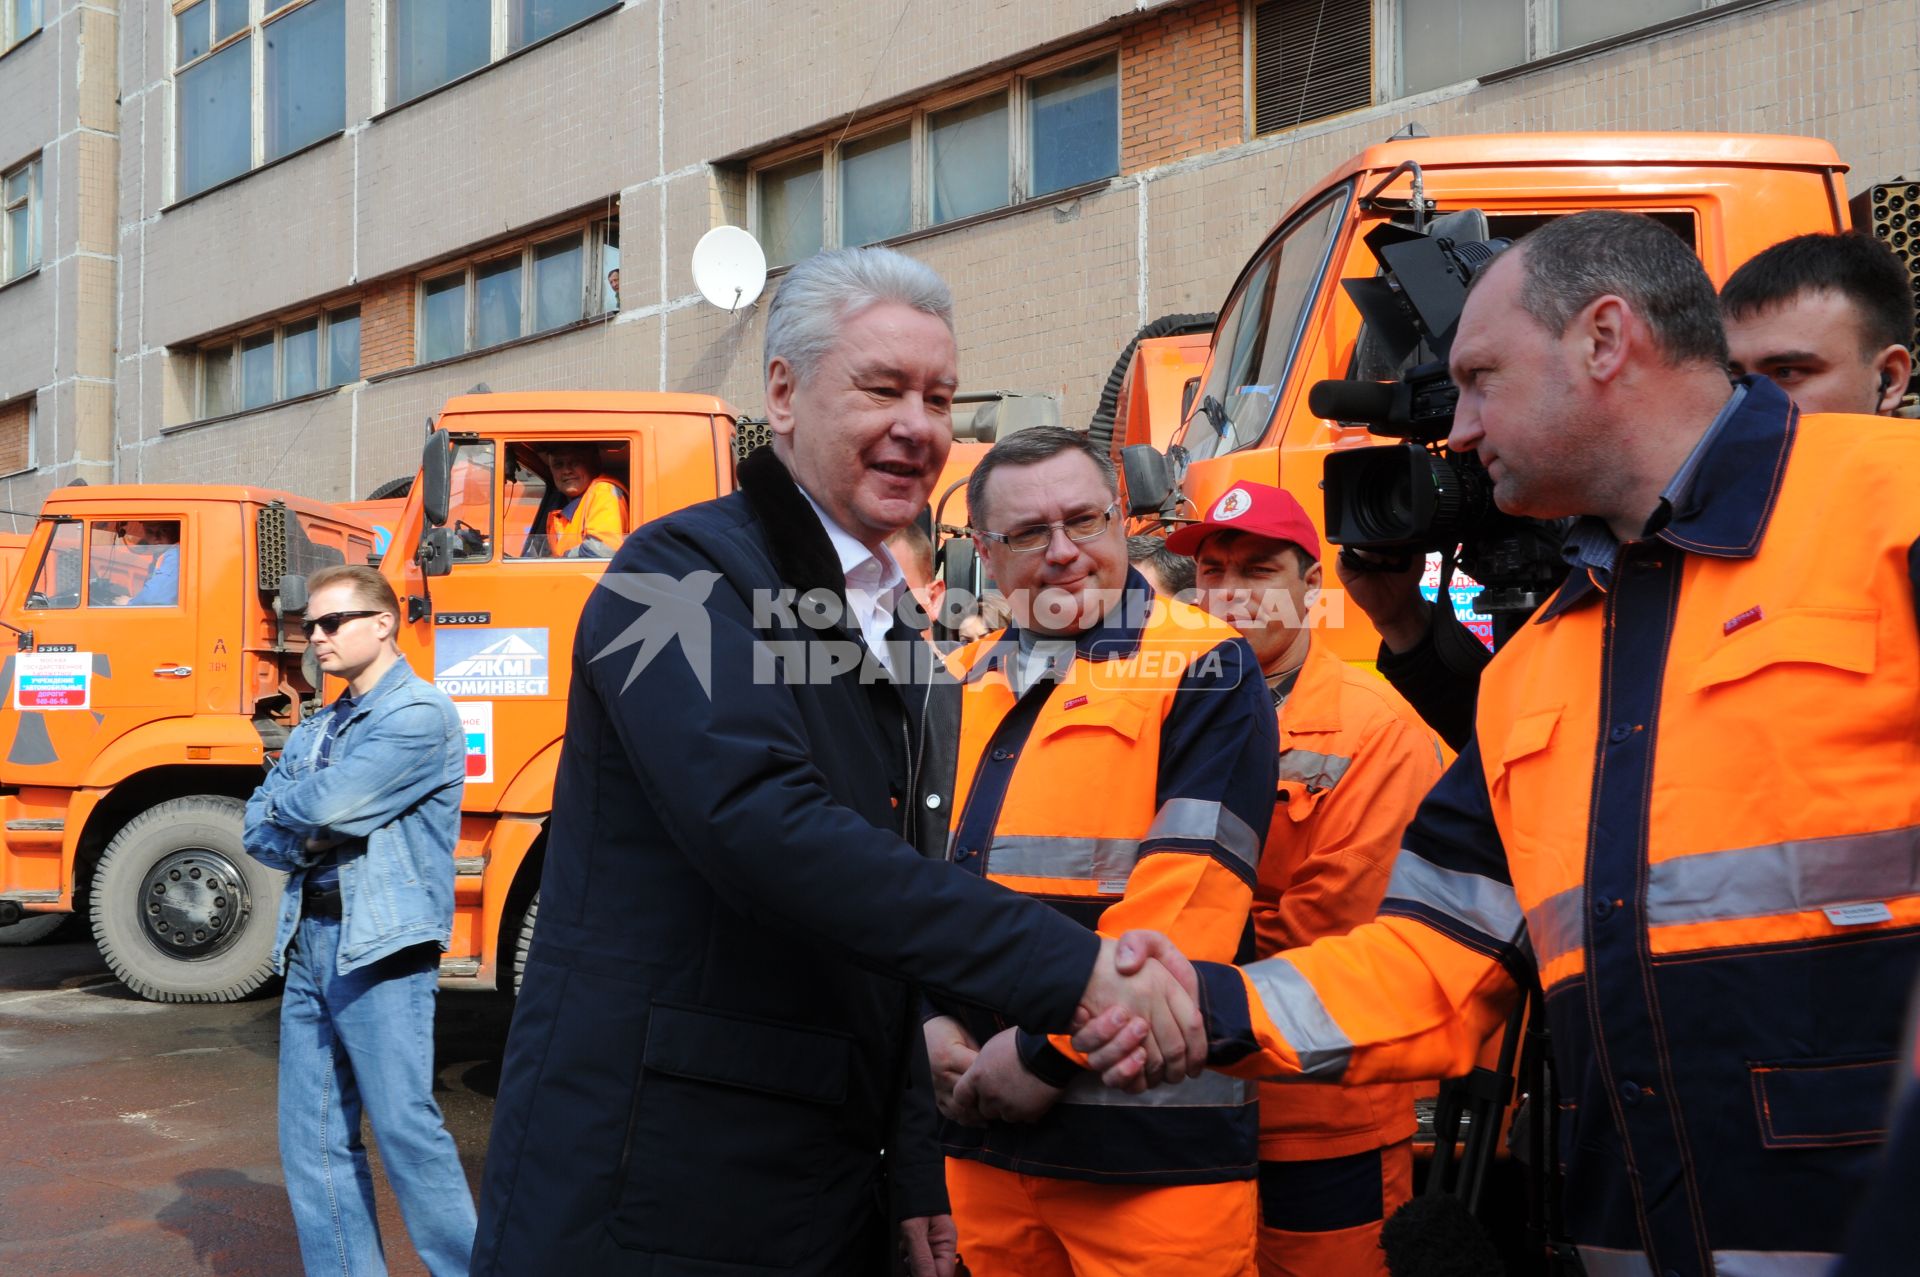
1259, 333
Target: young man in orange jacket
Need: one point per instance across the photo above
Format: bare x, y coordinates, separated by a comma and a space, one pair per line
1355, 760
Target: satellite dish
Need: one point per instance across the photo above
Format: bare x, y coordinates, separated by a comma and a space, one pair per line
729, 267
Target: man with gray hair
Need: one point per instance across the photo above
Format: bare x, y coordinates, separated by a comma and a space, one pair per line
716, 1062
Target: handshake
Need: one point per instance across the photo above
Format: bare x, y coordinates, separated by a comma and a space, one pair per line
1138, 1022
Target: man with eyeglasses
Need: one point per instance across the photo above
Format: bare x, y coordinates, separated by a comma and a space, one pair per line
1117, 760
362, 812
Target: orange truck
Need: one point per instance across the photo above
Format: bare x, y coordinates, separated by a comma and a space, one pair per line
153, 674
1290, 320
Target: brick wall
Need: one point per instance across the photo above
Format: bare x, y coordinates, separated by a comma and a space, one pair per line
386, 326
16, 444
1180, 76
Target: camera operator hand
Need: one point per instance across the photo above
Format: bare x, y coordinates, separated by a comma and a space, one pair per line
1391, 599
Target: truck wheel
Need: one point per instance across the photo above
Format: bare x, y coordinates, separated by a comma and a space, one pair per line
32, 929
181, 912
523, 941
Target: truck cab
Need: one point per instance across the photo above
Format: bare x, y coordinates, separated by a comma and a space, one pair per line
1290, 321
492, 601
152, 674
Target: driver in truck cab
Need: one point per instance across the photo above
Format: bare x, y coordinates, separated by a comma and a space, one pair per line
592, 521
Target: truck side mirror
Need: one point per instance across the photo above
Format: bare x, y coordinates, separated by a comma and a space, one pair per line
436, 550
1149, 479
1188, 393
436, 478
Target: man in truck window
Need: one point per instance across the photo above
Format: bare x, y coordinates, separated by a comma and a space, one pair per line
1689, 805
715, 1063
1827, 318
591, 520
362, 813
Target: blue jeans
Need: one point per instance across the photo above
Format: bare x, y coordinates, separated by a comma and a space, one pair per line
354, 1042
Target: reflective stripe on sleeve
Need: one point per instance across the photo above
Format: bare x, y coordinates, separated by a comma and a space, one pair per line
1202, 820
1477, 903
1600, 1261
1302, 1019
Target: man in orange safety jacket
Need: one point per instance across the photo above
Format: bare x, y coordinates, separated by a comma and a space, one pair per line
1355, 760
1117, 760
592, 522
1691, 805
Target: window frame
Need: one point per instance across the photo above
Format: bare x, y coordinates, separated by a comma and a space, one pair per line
31, 402
324, 318
594, 234
1015, 85
35, 204
261, 14
9, 18
500, 46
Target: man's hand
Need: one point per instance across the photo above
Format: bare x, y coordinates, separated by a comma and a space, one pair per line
999, 1086
951, 1051
931, 1244
319, 843
1175, 1046
1391, 600
1112, 1040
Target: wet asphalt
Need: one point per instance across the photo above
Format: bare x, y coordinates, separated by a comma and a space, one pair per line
139, 1138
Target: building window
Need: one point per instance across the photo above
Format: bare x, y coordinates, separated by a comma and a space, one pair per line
435, 41
20, 223
1311, 59
316, 352
237, 60
16, 436
21, 18
548, 282
1446, 41
1040, 131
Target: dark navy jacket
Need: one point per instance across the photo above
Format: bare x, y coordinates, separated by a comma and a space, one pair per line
717, 1034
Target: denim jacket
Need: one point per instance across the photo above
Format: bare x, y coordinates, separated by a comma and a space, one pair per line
393, 787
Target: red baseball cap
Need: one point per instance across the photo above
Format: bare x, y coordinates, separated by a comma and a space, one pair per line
1258, 509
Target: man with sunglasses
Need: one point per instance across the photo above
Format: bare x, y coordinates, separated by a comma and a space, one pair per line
362, 812
1117, 760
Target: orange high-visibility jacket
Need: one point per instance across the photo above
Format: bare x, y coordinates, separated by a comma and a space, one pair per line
600, 513
1693, 805
1355, 761
1135, 793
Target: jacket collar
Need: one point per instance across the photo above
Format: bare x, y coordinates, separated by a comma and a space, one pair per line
1724, 510
397, 676
1314, 703
802, 554
1115, 638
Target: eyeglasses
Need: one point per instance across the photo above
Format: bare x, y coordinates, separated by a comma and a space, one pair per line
1081, 527
331, 622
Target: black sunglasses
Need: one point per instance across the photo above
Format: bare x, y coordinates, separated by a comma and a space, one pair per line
331, 622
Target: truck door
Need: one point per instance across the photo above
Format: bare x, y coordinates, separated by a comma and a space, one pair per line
503, 618
114, 646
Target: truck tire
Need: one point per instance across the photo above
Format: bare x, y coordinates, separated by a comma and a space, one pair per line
31, 929
181, 912
1100, 427
392, 488
523, 940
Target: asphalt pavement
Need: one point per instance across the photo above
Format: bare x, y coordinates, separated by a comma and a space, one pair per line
139, 1138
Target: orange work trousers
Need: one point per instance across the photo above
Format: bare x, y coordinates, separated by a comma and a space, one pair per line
1015, 1225
1322, 1218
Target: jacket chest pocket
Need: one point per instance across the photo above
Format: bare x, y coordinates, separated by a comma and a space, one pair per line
1533, 804
1094, 738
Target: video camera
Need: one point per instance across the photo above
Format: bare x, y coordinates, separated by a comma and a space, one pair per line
1415, 498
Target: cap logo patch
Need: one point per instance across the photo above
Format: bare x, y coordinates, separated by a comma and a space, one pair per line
1231, 506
